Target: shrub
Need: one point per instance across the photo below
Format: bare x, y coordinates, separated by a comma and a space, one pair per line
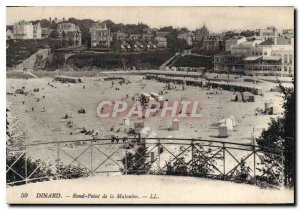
38, 170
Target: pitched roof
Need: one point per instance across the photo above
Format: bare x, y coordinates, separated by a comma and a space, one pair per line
252, 58
280, 41
272, 58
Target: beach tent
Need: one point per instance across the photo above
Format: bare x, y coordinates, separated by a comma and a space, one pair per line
223, 131
233, 120
229, 124
126, 121
145, 96
161, 101
175, 124
154, 95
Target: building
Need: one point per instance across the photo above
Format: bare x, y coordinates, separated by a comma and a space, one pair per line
161, 34
247, 48
147, 37
277, 58
269, 33
9, 34
234, 41
45, 33
262, 65
37, 31
100, 35
119, 36
225, 62
288, 33
138, 42
161, 42
188, 37
23, 30
69, 33
26, 30
214, 42
201, 33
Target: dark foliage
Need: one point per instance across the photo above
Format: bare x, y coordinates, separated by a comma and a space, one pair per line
137, 162
20, 50
194, 61
38, 170
143, 60
281, 135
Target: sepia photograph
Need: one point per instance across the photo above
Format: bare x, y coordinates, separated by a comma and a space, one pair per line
150, 105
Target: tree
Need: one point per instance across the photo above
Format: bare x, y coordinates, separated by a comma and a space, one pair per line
137, 163
167, 29
54, 34
124, 61
174, 43
247, 33
281, 135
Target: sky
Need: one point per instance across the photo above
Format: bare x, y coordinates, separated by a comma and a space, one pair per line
217, 19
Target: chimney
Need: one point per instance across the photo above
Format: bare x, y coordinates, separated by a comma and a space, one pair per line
275, 40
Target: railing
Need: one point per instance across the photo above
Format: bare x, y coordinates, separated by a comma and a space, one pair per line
157, 156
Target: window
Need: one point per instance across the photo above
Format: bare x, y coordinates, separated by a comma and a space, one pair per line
290, 59
285, 58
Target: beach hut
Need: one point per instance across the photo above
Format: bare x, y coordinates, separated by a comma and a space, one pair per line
154, 95
259, 91
223, 131
175, 124
238, 97
246, 96
251, 98
233, 120
152, 102
145, 96
161, 101
229, 124
127, 121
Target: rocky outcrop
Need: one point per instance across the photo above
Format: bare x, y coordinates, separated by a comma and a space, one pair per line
34, 60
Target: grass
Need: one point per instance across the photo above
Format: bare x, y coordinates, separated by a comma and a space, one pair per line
113, 60
20, 50
194, 61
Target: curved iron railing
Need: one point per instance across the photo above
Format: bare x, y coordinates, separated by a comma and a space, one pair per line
158, 156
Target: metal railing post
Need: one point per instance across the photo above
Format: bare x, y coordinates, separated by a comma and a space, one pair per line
224, 162
254, 164
126, 166
91, 145
159, 153
58, 159
282, 167
26, 173
192, 159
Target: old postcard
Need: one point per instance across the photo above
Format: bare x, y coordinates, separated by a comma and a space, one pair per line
150, 105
